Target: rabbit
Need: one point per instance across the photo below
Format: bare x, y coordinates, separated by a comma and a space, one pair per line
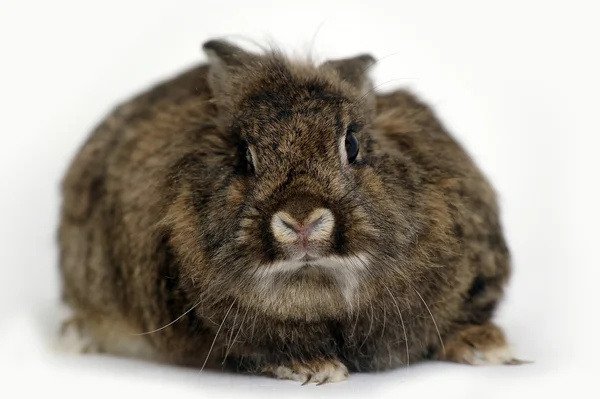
279, 217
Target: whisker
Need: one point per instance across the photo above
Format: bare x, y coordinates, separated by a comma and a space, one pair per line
236, 335
216, 335
403, 327
171, 323
384, 317
233, 326
253, 326
432, 319
357, 316
370, 327
379, 85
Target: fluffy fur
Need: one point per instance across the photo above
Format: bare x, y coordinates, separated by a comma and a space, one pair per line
168, 211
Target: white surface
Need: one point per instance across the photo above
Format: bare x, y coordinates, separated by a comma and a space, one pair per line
516, 82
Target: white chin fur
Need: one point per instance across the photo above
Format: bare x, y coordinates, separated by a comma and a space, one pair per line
277, 296
346, 264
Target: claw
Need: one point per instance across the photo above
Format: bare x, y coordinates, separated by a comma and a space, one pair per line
517, 362
318, 371
325, 381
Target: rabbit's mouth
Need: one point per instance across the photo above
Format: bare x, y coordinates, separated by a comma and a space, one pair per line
334, 263
308, 258
308, 286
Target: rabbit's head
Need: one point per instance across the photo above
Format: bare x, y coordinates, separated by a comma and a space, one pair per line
305, 213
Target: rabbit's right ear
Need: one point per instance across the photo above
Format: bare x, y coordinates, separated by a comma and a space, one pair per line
228, 63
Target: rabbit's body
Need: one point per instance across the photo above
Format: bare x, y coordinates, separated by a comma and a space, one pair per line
164, 211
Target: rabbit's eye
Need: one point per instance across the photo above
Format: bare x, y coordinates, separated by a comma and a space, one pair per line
351, 146
249, 158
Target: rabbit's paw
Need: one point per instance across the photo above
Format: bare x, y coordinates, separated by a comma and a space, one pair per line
480, 345
318, 371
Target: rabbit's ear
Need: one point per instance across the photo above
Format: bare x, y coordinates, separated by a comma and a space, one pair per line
225, 54
228, 66
354, 71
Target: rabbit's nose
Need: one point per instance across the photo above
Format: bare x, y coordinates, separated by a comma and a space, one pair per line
317, 226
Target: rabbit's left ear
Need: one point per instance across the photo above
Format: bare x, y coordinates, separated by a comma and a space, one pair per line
228, 65
226, 54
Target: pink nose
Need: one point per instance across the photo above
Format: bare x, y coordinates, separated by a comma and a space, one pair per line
303, 231
317, 226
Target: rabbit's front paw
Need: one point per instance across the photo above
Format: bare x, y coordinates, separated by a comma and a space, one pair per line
319, 371
480, 345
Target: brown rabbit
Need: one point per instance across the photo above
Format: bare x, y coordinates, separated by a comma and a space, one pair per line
281, 218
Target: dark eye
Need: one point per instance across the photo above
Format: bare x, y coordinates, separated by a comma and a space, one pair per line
249, 158
351, 145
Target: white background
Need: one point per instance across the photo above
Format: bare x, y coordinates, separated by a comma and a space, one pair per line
515, 81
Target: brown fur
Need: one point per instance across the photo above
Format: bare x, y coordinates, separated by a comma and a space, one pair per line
162, 212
